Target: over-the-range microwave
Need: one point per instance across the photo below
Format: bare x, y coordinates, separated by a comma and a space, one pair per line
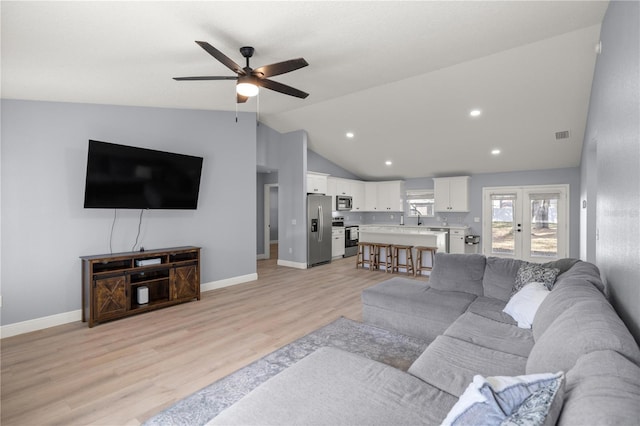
344, 202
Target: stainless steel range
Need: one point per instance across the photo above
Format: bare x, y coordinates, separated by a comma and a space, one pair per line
350, 236
351, 240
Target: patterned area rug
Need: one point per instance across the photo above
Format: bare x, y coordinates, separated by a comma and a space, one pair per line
374, 343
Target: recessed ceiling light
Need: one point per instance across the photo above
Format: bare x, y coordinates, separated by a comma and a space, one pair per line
495, 151
350, 135
475, 112
388, 163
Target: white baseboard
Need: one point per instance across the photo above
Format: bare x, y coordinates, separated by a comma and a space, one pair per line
72, 316
228, 282
40, 323
291, 264
261, 256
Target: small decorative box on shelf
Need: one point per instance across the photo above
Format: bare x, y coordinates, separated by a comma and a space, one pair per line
122, 284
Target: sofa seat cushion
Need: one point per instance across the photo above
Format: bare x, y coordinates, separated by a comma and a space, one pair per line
602, 389
412, 307
585, 327
333, 387
450, 364
491, 334
491, 308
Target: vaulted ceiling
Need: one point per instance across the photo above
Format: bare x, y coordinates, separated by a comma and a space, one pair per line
402, 76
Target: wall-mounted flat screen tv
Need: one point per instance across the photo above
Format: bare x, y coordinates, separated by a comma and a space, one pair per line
126, 177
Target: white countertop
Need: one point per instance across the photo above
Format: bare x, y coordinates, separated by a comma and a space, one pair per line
410, 229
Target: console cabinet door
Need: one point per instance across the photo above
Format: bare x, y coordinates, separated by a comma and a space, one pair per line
110, 297
184, 282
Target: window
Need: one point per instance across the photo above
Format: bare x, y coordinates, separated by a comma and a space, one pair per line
420, 201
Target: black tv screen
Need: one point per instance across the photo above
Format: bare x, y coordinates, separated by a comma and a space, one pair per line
126, 177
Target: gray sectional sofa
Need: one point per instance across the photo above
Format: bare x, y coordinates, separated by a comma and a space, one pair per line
575, 331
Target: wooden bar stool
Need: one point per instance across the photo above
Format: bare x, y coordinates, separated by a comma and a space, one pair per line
419, 258
361, 260
408, 265
387, 259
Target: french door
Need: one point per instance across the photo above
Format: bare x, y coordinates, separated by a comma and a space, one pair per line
526, 222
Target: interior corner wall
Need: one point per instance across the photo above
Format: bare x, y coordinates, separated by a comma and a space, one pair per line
45, 227
613, 124
317, 163
287, 153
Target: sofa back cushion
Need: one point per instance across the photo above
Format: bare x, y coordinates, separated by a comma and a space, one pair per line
564, 295
458, 272
602, 389
499, 277
585, 327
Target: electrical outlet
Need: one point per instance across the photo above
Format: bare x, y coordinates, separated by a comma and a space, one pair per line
390, 216
476, 219
293, 221
0, 301
290, 250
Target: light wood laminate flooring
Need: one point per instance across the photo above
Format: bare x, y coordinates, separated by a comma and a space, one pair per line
125, 371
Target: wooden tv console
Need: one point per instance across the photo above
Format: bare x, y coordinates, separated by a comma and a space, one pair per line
110, 282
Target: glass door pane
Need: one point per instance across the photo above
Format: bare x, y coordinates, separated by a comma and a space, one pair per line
544, 225
503, 238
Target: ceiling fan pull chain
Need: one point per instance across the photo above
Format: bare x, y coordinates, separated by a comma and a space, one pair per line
236, 112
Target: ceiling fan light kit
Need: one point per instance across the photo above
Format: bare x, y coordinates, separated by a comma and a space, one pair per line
249, 80
247, 86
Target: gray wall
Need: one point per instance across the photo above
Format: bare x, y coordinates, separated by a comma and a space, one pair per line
611, 161
317, 163
45, 227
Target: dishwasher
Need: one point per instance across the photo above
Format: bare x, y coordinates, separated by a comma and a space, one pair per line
446, 236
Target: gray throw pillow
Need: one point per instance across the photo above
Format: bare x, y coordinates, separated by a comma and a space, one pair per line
522, 400
534, 272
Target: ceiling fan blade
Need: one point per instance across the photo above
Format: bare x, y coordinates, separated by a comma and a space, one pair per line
281, 67
205, 78
282, 88
241, 99
226, 61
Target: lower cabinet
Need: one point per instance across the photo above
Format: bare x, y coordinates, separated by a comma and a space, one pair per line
457, 241
118, 285
110, 296
185, 282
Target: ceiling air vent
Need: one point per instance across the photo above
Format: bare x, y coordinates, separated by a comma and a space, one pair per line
562, 135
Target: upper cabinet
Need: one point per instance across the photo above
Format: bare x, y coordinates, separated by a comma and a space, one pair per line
357, 194
365, 196
384, 196
391, 196
316, 183
451, 194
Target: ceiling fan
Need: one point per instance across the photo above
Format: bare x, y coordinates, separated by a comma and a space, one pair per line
249, 79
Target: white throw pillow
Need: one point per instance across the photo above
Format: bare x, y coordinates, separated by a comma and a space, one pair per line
532, 400
525, 303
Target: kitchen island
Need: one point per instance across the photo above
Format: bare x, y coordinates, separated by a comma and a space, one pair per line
406, 235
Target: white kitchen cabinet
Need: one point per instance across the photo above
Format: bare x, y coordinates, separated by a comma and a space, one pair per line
316, 183
343, 186
390, 196
451, 194
337, 242
371, 196
357, 194
384, 196
457, 240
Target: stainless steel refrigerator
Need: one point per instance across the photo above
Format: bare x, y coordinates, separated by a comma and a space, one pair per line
318, 229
